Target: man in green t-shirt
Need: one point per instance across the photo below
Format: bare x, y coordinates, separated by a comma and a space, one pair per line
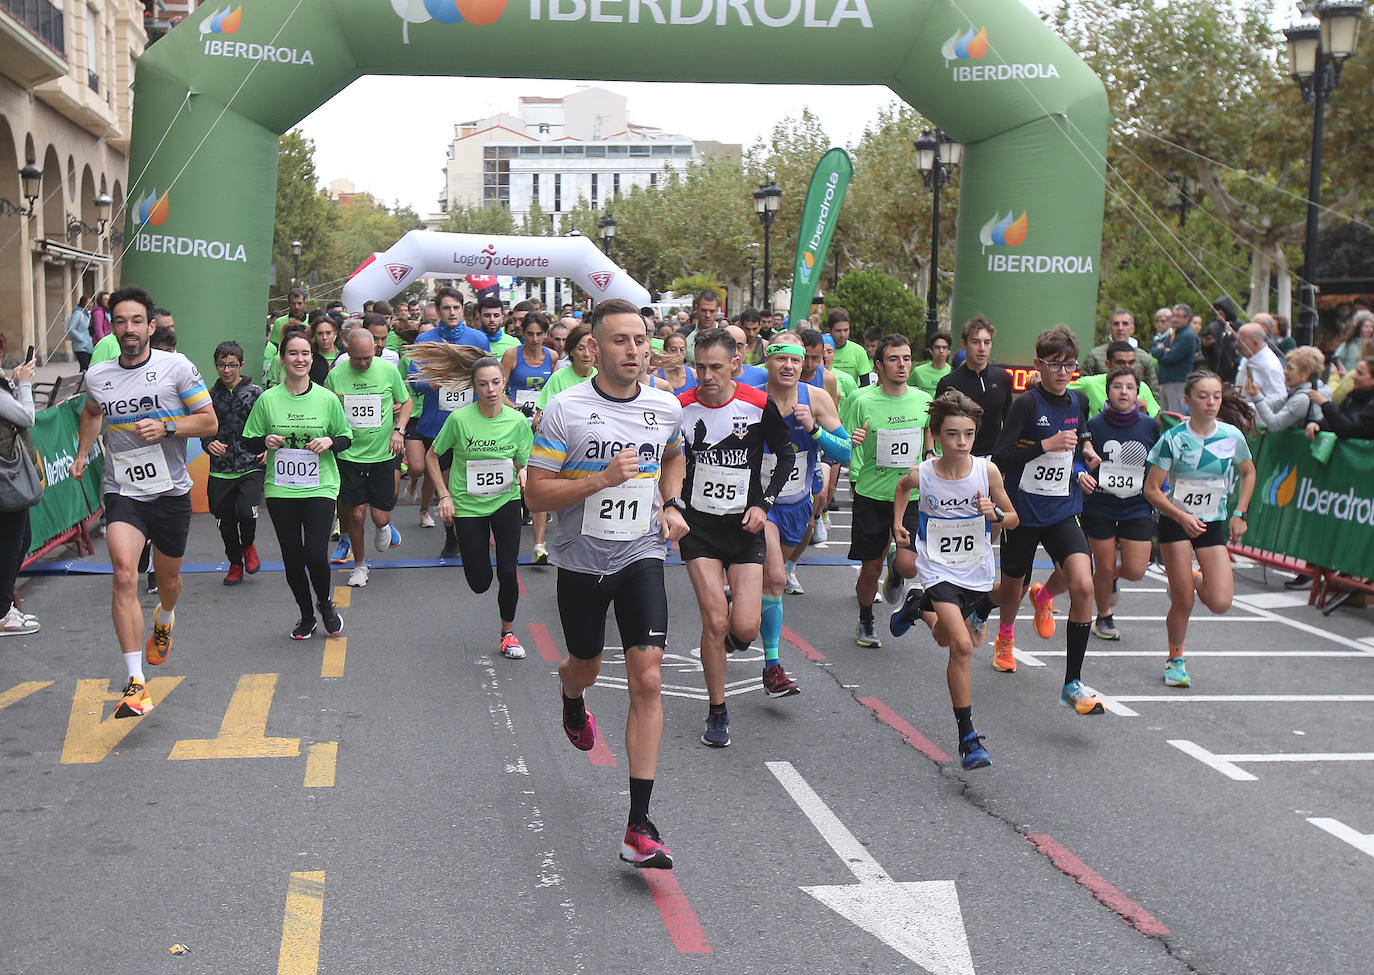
295, 312
888, 423
371, 389
491, 318
105, 350
1094, 388
850, 357
927, 375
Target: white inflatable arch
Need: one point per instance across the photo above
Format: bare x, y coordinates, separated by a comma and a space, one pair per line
427, 252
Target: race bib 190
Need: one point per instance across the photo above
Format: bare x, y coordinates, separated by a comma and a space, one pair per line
142, 472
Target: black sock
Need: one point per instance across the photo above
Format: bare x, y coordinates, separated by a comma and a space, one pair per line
716, 707
964, 718
865, 613
574, 711
985, 607
640, 790
1078, 649
1105, 619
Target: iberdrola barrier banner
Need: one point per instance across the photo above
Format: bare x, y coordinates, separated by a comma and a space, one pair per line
1322, 513
213, 96
66, 501
819, 217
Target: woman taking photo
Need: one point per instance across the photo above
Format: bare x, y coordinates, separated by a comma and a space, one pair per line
1351, 349
302, 426
1201, 460
490, 442
1354, 417
16, 418
1302, 371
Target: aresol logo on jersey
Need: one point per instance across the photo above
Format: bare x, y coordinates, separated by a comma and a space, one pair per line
744, 13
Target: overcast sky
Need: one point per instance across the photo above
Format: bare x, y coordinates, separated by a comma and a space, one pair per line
411, 171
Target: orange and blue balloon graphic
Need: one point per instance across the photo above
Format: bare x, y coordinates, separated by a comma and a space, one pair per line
224, 21
1005, 231
1282, 486
479, 13
972, 44
153, 209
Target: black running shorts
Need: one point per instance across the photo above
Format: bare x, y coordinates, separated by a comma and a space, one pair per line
722, 539
1132, 529
1062, 539
371, 484
165, 520
871, 527
1217, 533
641, 608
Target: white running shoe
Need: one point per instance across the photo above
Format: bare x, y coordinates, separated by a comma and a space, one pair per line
426, 519
821, 533
793, 587
16, 623
381, 538
358, 577
540, 555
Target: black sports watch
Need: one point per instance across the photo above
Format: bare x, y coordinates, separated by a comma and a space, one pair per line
677, 503
169, 427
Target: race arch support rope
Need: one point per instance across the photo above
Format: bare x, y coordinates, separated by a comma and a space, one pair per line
424, 252
1033, 119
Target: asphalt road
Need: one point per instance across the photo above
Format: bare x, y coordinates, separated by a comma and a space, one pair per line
404, 800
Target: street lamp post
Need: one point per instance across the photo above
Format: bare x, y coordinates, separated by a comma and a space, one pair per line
1316, 54
767, 199
937, 156
295, 263
76, 226
605, 227
30, 182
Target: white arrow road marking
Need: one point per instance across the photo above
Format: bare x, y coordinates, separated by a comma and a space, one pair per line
921, 921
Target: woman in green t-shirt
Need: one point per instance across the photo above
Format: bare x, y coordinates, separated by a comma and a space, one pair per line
490, 443
302, 425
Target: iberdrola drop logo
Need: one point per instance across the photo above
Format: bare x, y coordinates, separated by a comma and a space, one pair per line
480, 13
1281, 487
224, 21
1004, 231
965, 46
153, 209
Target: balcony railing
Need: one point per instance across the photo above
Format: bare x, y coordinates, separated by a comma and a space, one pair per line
93, 81
41, 17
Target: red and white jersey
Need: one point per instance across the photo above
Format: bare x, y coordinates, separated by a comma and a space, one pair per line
724, 450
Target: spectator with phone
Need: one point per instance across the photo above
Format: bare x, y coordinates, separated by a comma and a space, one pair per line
16, 418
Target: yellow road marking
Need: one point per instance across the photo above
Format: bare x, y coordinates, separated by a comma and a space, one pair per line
320, 761
300, 926
335, 647
343, 596
90, 736
20, 691
243, 733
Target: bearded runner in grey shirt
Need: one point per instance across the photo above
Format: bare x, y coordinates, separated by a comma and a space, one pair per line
608, 458
147, 403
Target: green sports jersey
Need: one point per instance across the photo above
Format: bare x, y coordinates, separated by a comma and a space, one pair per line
926, 377
851, 358
393, 341
503, 341
1201, 470
561, 379
845, 384
367, 401
269, 360
292, 470
893, 443
486, 454
105, 350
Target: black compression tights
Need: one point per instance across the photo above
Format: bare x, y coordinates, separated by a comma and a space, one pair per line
473, 535
303, 526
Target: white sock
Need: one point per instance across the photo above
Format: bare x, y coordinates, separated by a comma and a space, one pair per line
790, 566
133, 662
158, 616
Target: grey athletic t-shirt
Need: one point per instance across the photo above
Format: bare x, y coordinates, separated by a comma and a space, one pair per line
581, 430
164, 386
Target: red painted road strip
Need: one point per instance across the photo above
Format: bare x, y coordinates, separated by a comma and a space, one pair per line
543, 641
677, 914
600, 753
804, 648
913, 737
520, 581
1131, 912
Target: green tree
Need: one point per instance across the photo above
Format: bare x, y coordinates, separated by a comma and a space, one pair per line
465, 218
303, 213
874, 298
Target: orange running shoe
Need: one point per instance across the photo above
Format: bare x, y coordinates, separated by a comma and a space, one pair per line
1044, 612
136, 701
159, 645
1002, 657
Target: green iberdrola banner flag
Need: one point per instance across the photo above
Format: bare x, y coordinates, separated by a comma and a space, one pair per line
822, 212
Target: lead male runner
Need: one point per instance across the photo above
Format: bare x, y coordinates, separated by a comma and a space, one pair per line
606, 456
147, 403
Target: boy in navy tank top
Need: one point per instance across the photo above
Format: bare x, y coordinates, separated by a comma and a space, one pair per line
1043, 451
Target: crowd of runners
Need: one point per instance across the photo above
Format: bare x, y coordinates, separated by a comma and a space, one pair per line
724, 441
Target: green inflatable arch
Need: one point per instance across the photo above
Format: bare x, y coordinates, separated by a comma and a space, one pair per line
214, 95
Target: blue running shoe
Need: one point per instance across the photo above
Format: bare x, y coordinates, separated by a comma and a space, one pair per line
1176, 673
972, 754
341, 551
395, 535
905, 616
717, 733
977, 627
1076, 696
